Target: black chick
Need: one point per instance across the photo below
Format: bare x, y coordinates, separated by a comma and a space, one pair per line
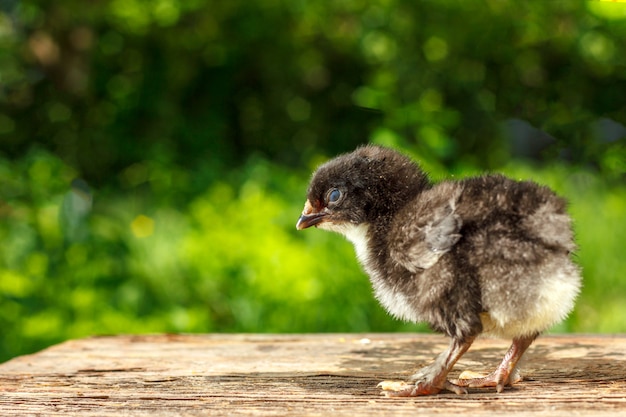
483, 255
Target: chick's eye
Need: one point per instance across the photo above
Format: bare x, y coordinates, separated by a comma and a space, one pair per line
334, 195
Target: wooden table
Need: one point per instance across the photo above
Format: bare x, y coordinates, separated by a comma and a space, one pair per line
320, 375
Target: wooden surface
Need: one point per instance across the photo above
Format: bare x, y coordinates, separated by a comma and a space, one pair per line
323, 375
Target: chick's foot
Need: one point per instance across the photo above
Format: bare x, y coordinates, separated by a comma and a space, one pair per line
496, 379
416, 389
506, 373
431, 379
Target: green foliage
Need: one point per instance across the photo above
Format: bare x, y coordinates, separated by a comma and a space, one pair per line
209, 82
154, 155
230, 259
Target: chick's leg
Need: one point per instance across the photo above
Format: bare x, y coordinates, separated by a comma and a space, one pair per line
432, 378
506, 373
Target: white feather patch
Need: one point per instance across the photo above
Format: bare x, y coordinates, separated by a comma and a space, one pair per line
555, 302
393, 301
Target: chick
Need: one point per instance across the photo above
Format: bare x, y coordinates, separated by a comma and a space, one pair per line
483, 255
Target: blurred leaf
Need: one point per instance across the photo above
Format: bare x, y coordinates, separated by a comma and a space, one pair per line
154, 154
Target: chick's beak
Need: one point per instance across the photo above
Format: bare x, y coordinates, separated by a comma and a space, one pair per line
310, 217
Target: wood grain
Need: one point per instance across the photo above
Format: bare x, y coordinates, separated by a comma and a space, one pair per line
317, 375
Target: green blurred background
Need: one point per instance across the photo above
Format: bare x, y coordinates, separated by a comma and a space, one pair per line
154, 154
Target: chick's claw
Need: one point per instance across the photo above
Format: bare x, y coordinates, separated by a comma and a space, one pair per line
455, 388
